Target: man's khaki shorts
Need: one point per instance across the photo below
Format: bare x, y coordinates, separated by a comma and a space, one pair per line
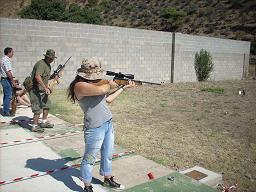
39, 101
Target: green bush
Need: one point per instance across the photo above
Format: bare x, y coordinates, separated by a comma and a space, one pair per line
42, 10
173, 17
83, 15
57, 10
203, 65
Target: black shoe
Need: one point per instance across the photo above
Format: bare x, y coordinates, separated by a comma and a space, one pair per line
8, 114
88, 189
111, 183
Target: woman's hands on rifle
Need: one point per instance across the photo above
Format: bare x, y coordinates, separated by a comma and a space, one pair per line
130, 85
90, 89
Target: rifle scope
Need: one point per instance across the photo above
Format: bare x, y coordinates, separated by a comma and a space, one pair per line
120, 75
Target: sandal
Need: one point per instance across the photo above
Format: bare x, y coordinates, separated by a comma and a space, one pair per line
46, 125
37, 130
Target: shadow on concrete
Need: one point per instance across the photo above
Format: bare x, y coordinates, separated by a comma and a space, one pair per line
65, 176
23, 121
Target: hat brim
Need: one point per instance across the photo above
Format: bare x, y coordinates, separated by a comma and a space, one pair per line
93, 76
50, 56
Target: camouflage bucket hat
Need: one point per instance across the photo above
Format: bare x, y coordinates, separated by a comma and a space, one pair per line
91, 69
50, 53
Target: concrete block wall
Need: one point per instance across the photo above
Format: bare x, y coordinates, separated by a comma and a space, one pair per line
230, 57
146, 54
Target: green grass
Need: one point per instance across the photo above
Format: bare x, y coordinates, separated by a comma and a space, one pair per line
64, 108
160, 123
213, 89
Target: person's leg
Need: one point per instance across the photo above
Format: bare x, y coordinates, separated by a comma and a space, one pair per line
93, 141
22, 98
22, 101
45, 113
26, 99
107, 151
36, 119
46, 106
7, 89
36, 109
106, 158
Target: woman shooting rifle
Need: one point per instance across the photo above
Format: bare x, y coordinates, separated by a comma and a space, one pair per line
98, 129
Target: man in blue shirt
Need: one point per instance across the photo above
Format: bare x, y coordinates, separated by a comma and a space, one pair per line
7, 80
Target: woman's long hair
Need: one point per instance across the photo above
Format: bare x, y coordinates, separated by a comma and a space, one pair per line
71, 93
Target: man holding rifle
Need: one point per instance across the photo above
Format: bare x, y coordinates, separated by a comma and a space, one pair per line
39, 94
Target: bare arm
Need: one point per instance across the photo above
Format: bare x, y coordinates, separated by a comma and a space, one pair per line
40, 81
113, 96
9, 75
86, 89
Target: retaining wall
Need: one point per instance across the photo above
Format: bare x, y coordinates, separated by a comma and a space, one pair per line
146, 54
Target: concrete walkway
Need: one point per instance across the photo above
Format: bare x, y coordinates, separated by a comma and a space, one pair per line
26, 159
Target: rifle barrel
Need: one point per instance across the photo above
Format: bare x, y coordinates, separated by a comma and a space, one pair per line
138, 81
147, 82
67, 61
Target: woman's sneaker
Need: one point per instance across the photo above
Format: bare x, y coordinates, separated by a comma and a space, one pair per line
88, 189
111, 183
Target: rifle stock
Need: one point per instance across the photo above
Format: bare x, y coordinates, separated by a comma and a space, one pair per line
14, 97
14, 102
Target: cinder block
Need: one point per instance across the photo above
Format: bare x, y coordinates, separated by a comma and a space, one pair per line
203, 175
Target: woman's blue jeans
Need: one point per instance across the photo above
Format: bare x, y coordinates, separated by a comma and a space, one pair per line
7, 89
100, 139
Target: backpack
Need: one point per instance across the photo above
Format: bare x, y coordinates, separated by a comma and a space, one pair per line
28, 83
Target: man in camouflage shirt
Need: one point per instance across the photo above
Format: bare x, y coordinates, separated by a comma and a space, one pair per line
39, 94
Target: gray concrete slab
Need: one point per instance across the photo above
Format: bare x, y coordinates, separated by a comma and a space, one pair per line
26, 159
211, 179
133, 170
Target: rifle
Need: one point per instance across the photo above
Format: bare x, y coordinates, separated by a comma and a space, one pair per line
121, 79
13, 101
14, 97
54, 78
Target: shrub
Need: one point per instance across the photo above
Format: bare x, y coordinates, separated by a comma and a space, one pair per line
57, 10
173, 17
52, 10
203, 65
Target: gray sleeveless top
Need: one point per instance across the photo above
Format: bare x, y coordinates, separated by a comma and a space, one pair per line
96, 111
